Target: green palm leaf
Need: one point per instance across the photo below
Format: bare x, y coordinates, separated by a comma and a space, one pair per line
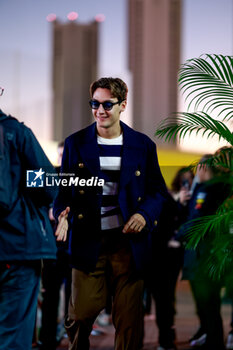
210, 224
219, 228
186, 123
207, 83
224, 160
223, 163
206, 78
220, 261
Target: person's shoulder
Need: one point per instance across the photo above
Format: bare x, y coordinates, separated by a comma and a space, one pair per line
146, 142
138, 135
210, 186
217, 188
8, 120
15, 127
13, 122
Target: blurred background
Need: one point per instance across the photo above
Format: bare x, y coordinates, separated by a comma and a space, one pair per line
52, 50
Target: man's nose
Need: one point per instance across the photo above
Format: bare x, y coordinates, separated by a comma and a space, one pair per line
101, 108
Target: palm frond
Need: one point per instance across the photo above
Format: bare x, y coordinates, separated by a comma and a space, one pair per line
221, 163
220, 261
207, 83
197, 229
217, 231
227, 207
184, 123
206, 78
224, 160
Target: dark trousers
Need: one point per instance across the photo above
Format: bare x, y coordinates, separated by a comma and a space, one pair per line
208, 303
54, 274
115, 274
19, 286
161, 282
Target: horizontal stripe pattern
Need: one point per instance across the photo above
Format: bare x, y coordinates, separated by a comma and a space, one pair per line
110, 188
110, 164
110, 222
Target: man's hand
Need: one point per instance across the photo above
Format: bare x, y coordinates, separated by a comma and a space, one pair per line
135, 224
62, 227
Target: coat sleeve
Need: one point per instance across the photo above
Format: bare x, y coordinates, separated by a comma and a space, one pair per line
156, 193
64, 195
34, 158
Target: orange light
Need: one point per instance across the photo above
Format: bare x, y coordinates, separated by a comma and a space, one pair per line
72, 16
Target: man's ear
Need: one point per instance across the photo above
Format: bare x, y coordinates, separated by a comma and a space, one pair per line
123, 105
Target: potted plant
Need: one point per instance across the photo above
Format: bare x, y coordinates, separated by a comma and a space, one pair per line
207, 82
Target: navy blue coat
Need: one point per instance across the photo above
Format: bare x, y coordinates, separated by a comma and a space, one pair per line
141, 190
25, 232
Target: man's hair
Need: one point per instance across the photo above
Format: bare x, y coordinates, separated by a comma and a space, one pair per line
177, 181
117, 87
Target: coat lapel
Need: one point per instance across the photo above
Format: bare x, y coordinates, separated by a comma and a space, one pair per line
131, 153
89, 151
130, 156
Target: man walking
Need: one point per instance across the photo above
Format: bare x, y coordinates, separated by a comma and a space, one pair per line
110, 226
26, 235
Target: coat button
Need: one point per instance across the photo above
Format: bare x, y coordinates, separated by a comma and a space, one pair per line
155, 222
137, 173
81, 191
80, 216
80, 165
139, 199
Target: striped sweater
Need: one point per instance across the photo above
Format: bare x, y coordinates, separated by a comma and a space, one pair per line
110, 165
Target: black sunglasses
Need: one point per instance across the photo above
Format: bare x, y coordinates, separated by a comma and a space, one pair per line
107, 105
